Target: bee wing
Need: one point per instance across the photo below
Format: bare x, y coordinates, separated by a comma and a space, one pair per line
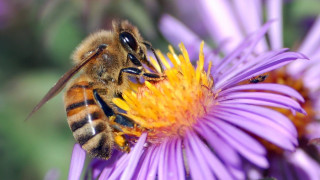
64, 79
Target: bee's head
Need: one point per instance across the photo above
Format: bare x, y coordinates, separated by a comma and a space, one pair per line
130, 38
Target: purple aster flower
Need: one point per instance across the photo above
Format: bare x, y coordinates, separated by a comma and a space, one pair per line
198, 122
242, 18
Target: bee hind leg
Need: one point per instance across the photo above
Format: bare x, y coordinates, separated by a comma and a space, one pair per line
119, 136
121, 141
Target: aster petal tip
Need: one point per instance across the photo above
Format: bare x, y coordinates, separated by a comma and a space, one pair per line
77, 162
134, 158
302, 56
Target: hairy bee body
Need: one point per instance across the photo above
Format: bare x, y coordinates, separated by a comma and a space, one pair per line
106, 60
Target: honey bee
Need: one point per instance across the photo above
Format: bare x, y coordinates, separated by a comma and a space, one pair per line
258, 79
107, 60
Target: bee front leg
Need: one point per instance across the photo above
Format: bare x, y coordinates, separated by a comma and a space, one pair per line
149, 46
136, 72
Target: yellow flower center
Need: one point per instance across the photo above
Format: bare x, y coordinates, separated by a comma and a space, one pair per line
169, 107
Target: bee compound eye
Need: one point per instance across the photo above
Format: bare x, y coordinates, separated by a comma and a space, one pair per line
127, 40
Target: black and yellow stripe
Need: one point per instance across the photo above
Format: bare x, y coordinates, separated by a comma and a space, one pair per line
87, 120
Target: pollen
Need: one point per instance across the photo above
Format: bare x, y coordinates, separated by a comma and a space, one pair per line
169, 107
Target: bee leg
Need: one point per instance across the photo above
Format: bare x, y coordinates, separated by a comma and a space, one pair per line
132, 71
119, 137
124, 120
134, 60
152, 76
121, 141
149, 46
108, 111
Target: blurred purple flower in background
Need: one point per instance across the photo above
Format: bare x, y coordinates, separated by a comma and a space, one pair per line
228, 23
202, 127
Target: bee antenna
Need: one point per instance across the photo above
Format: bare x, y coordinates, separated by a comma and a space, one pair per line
149, 46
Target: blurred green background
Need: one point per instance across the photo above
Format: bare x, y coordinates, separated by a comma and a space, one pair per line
36, 40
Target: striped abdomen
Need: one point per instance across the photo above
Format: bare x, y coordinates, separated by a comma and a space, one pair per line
87, 121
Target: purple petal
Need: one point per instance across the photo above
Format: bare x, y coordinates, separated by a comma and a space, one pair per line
175, 32
171, 163
98, 165
106, 172
313, 130
222, 149
151, 158
154, 166
180, 162
153, 169
265, 97
95, 168
77, 161
245, 145
162, 170
172, 160
116, 170
277, 168
245, 47
252, 172
311, 76
270, 114
237, 172
312, 41
263, 67
221, 29
260, 126
212, 161
196, 160
274, 12
252, 61
258, 102
134, 157
279, 88
122, 163
143, 171
235, 134
310, 47
142, 160
301, 161
250, 14
297, 165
